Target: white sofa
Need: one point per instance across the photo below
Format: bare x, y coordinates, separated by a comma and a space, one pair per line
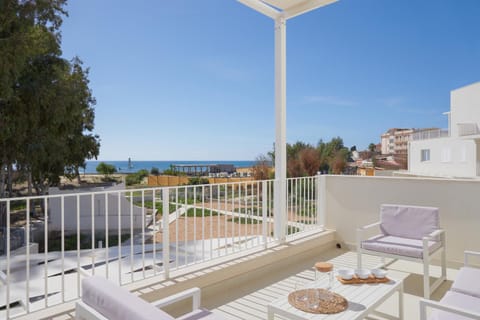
462, 302
104, 300
410, 233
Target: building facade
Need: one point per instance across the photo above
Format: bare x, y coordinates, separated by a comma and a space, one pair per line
395, 141
454, 152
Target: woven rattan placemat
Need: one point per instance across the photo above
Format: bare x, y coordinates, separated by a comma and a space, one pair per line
318, 301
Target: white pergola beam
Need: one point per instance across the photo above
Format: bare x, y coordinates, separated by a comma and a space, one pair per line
261, 7
286, 9
305, 7
280, 191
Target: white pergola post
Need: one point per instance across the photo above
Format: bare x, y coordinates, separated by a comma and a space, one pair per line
280, 11
280, 194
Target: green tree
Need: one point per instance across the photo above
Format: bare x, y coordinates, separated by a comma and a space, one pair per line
302, 159
262, 168
154, 171
106, 169
46, 106
27, 29
333, 155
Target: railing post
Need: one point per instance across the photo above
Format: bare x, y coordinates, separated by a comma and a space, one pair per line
166, 233
321, 200
279, 209
264, 212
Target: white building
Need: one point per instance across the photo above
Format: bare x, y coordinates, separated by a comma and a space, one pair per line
121, 214
456, 154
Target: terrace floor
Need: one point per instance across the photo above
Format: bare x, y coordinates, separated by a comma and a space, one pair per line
250, 300
247, 295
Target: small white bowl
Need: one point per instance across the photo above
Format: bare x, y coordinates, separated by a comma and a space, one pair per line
363, 273
379, 273
345, 274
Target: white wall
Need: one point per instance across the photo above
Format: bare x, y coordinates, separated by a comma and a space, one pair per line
354, 201
460, 163
385, 144
465, 106
99, 219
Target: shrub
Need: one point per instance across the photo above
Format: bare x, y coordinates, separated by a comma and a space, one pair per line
106, 169
136, 178
197, 181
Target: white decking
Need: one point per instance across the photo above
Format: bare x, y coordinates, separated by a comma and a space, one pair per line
247, 297
253, 305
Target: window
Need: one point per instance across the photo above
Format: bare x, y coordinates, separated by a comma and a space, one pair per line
425, 155
446, 155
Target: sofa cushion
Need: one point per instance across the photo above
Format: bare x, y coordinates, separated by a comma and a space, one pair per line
463, 282
399, 246
458, 300
408, 221
117, 303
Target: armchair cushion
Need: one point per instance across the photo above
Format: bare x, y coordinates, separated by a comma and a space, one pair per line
411, 222
461, 301
115, 302
467, 282
399, 246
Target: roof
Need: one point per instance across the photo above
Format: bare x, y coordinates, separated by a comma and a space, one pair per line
287, 8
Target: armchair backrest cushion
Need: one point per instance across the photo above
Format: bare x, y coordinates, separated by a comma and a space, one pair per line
117, 303
411, 222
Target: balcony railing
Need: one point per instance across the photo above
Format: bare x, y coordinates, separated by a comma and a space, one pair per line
468, 129
50, 242
430, 134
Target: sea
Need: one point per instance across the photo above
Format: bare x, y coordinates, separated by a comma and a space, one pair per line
124, 167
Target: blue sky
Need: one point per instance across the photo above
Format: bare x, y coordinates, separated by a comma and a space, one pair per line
193, 80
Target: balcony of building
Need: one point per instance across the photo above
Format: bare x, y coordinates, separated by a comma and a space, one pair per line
248, 265
430, 134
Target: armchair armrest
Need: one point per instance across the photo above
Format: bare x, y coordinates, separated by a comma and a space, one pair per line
361, 229
435, 234
193, 292
443, 307
369, 226
468, 253
439, 233
360, 238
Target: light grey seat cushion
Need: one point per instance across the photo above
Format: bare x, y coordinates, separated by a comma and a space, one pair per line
468, 282
117, 303
399, 246
458, 300
411, 222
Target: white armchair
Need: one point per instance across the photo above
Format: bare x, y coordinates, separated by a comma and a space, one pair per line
103, 300
407, 232
462, 302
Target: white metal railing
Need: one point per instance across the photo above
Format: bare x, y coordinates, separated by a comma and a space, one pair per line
48, 243
468, 129
430, 134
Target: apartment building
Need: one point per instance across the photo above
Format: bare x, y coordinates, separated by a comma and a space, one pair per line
395, 141
454, 152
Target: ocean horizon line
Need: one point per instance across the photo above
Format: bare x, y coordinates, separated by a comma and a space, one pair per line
130, 166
